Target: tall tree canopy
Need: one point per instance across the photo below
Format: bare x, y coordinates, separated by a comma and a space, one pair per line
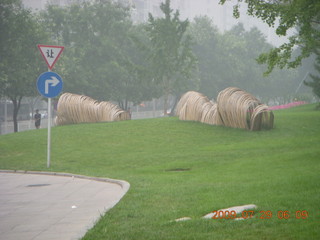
20, 61
100, 55
228, 59
302, 15
171, 56
315, 78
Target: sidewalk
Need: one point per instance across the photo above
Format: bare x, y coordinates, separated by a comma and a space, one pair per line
38, 206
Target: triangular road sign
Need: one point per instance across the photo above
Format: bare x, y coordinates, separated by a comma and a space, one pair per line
50, 54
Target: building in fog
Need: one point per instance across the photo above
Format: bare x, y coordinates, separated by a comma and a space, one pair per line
41, 4
140, 9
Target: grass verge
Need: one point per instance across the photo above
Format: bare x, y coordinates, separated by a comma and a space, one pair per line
178, 168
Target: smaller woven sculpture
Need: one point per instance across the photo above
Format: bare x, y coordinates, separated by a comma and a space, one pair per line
234, 108
73, 108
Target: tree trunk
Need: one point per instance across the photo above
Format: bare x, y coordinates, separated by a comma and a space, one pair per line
174, 106
166, 95
125, 105
165, 104
120, 104
16, 106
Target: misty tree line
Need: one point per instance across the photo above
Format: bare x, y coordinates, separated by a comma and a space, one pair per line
110, 58
107, 57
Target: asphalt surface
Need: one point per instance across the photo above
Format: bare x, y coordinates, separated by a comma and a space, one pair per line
53, 206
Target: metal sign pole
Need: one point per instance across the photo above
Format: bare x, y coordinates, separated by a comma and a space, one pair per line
49, 84
49, 131
5, 116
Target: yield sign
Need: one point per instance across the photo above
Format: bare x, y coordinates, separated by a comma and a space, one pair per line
50, 54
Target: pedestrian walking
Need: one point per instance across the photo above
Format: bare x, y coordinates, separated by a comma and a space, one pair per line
37, 119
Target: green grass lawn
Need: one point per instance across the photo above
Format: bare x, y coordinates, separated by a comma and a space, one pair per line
278, 170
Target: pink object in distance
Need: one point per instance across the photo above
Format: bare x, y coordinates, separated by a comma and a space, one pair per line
288, 105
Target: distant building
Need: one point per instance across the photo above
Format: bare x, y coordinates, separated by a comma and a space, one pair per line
38, 5
141, 9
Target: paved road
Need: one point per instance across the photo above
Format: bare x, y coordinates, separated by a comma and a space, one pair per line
53, 207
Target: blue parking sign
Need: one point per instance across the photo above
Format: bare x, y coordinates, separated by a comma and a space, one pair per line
49, 84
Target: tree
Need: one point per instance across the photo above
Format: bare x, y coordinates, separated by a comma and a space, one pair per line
315, 83
206, 39
101, 58
304, 15
89, 32
171, 56
20, 61
228, 59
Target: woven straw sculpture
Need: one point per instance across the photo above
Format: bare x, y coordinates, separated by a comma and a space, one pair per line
234, 108
73, 108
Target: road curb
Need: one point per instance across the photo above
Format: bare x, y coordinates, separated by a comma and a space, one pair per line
124, 184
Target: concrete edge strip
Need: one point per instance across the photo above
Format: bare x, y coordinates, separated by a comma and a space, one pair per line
124, 184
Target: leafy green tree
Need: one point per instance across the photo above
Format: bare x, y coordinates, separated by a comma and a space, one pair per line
100, 55
205, 36
304, 15
139, 84
20, 61
171, 56
315, 83
228, 59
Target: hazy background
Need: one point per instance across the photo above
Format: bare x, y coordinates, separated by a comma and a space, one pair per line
221, 15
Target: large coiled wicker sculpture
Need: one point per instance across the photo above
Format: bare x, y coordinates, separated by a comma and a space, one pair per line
234, 108
73, 108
